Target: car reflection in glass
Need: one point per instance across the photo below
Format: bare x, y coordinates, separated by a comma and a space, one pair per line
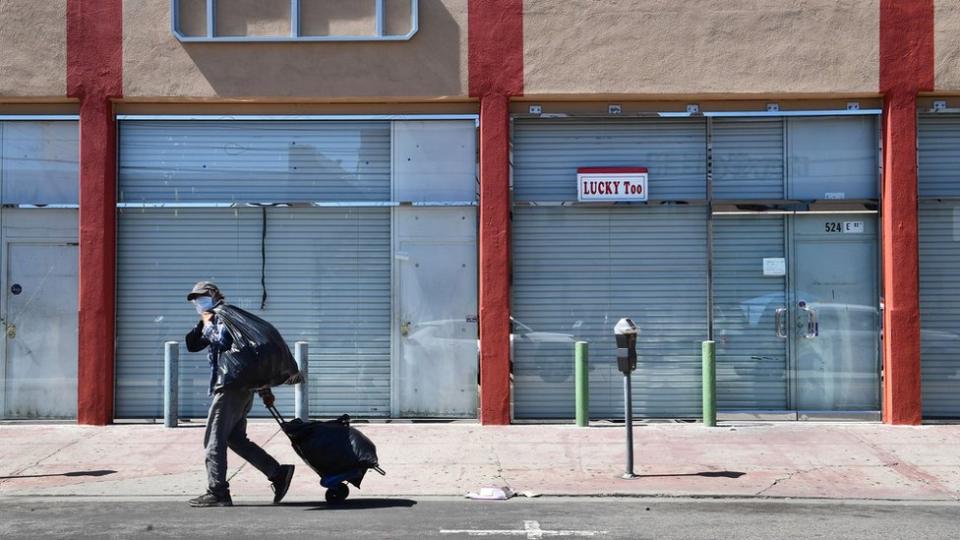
551, 352
744, 329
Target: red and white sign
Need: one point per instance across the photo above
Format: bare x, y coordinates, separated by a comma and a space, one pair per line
607, 184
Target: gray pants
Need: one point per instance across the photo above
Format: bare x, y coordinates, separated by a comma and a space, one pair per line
227, 428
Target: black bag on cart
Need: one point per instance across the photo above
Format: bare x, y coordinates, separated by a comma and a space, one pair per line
333, 447
259, 357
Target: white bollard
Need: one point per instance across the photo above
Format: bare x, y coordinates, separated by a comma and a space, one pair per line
171, 372
301, 395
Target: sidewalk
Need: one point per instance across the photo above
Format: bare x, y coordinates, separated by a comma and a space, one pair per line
803, 460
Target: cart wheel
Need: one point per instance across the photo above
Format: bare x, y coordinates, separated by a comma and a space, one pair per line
338, 493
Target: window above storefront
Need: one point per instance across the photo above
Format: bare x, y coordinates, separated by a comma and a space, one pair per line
293, 20
336, 161
39, 162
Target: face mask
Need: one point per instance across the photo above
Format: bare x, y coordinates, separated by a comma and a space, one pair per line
203, 303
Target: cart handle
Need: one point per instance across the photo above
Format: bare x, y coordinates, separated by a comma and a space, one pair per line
276, 415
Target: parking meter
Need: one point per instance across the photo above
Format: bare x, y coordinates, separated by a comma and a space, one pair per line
626, 333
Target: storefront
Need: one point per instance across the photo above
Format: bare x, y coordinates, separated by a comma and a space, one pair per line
395, 184
355, 234
38, 274
939, 216
759, 231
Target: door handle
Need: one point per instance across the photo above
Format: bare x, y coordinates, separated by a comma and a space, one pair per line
405, 328
11, 330
813, 327
778, 322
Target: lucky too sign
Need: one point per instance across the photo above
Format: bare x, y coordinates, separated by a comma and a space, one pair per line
612, 184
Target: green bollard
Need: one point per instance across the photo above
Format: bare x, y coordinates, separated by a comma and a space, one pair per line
709, 383
582, 384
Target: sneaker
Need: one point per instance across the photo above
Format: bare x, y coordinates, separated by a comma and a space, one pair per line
209, 499
281, 482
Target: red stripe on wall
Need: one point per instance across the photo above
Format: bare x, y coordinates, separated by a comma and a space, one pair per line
94, 48
906, 68
495, 47
906, 45
94, 76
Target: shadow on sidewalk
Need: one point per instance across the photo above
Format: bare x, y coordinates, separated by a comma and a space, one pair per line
707, 474
73, 473
349, 504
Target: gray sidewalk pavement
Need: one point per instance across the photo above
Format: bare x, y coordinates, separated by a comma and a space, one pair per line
791, 460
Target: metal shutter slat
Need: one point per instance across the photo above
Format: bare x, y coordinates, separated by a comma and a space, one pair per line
571, 301
549, 151
748, 158
320, 291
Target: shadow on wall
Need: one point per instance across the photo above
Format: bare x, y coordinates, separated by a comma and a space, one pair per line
429, 64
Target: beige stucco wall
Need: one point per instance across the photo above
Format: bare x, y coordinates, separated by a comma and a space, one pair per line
684, 47
946, 45
433, 64
33, 48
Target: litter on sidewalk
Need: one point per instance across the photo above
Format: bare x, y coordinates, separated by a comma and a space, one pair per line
499, 494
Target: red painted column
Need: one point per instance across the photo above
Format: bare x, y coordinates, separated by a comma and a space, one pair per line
494, 260
901, 292
906, 68
94, 59
495, 57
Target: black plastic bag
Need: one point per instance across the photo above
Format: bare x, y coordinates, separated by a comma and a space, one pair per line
259, 357
332, 447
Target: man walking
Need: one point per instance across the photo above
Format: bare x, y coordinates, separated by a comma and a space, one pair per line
227, 419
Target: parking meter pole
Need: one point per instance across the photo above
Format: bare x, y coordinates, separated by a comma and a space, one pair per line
628, 421
171, 363
626, 333
301, 395
582, 384
709, 384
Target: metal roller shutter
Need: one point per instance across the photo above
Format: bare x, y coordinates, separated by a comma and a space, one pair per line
328, 270
939, 232
328, 283
938, 154
159, 254
575, 274
548, 152
748, 158
751, 360
940, 308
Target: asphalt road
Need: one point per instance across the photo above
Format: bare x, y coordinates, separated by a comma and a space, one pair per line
602, 518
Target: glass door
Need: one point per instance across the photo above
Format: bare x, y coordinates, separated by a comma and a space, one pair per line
836, 315
795, 316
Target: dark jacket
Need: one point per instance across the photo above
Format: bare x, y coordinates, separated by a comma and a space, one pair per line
215, 338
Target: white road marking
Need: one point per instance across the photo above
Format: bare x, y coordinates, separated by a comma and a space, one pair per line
531, 529
534, 532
